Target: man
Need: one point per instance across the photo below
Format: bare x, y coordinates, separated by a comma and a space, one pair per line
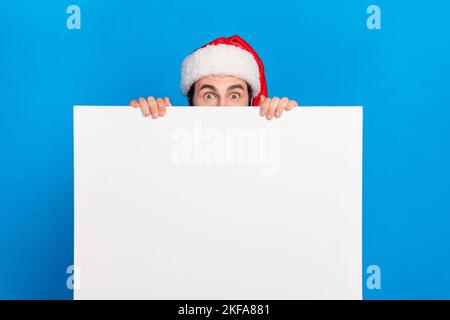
224, 72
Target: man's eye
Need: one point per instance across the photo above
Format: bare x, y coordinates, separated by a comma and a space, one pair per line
209, 96
235, 96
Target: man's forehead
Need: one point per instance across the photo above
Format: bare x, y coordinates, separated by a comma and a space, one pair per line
221, 82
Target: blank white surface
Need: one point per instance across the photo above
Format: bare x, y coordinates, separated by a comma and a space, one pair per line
147, 228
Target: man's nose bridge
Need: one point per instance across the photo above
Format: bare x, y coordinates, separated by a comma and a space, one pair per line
225, 101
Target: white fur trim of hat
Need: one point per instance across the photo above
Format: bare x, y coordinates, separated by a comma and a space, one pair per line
220, 60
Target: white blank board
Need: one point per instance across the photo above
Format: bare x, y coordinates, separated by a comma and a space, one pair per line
218, 203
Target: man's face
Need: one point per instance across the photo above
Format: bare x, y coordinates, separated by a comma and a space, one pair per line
220, 91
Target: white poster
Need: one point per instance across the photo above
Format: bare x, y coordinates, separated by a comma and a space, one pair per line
218, 203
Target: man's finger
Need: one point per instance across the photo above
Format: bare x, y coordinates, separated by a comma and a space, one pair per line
291, 104
261, 99
153, 107
134, 104
281, 105
273, 105
161, 106
264, 107
167, 103
144, 107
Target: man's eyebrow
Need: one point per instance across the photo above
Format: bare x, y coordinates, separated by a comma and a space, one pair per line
236, 86
207, 86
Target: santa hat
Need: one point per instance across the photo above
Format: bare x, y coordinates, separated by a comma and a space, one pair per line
225, 56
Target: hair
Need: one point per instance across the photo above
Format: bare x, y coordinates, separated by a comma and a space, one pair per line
191, 92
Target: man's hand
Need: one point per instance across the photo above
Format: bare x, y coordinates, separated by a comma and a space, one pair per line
151, 106
273, 107
269, 107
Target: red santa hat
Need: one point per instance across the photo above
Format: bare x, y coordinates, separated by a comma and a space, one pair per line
225, 56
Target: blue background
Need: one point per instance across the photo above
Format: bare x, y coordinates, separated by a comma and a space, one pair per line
317, 52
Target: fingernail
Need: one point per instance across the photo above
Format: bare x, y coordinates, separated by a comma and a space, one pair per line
277, 114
